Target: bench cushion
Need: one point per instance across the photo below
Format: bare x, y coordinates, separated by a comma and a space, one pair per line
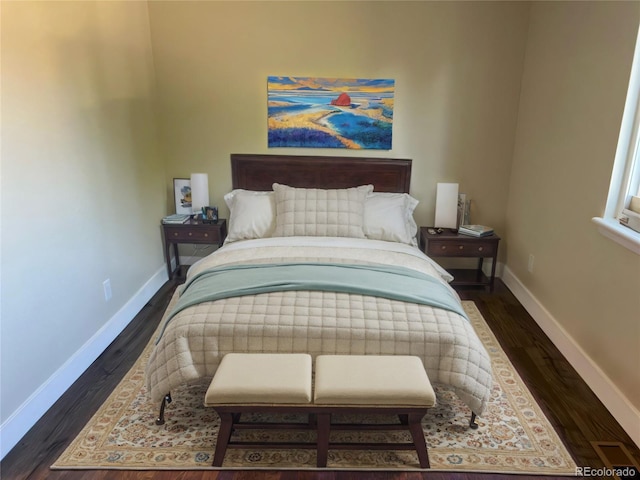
261, 378
372, 380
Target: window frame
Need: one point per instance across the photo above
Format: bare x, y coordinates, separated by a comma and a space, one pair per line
625, 177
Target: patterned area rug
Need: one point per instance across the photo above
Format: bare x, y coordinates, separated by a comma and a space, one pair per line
513, 437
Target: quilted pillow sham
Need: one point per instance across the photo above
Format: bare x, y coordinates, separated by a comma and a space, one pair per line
320, 213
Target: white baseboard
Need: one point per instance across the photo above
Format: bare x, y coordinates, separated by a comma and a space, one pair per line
26, 416
618, 405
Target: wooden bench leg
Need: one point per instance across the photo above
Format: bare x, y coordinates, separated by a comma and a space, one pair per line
324, 428
415, 427
226, 426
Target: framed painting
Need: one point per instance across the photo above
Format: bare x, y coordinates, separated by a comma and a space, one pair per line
330, 112
182, 195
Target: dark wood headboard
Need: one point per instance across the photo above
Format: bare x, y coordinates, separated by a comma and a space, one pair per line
259, 172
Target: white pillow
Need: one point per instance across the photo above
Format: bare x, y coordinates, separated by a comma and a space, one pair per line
389, 216
252, 214
318, 212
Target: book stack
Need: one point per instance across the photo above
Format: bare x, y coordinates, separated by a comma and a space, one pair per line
176, 218
475, 230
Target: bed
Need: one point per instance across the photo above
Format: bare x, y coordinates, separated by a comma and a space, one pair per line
345, 225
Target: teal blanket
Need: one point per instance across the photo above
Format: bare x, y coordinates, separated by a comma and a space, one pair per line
396, 283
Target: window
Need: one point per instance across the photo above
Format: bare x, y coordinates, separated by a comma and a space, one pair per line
625, 178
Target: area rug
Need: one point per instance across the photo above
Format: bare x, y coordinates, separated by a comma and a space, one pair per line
514, 436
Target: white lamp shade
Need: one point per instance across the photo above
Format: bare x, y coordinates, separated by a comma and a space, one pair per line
199, 191
446, 206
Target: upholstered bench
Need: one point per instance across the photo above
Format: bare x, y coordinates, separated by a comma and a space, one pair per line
256, 382
372, 384
352, 384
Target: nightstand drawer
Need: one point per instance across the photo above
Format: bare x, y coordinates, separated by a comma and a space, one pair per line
206, 235
476, 248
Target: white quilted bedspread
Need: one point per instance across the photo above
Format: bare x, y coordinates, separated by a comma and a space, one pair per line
313, 322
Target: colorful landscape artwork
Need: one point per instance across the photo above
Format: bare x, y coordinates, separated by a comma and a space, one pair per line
330, 112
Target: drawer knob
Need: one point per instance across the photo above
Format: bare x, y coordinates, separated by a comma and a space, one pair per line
480, 249
206, 234
190, 233
443, 247
461, 247
175, 234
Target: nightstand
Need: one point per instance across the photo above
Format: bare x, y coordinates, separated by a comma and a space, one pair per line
451, 244
194, 231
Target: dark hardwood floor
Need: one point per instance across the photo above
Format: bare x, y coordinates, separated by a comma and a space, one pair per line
576, 413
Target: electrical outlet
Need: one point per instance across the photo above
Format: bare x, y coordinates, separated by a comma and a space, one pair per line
530, 264
106, 285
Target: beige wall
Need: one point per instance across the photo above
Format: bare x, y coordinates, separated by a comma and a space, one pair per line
83, 182
457, 68
574, 86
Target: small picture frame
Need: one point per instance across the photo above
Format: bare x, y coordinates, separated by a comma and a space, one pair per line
182, 195
210, 215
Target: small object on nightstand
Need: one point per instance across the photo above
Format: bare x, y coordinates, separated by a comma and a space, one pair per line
209, 214
176, 218
475, 230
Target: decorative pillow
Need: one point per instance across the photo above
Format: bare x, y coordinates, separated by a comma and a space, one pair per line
252, 214
389, 216
321, 213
